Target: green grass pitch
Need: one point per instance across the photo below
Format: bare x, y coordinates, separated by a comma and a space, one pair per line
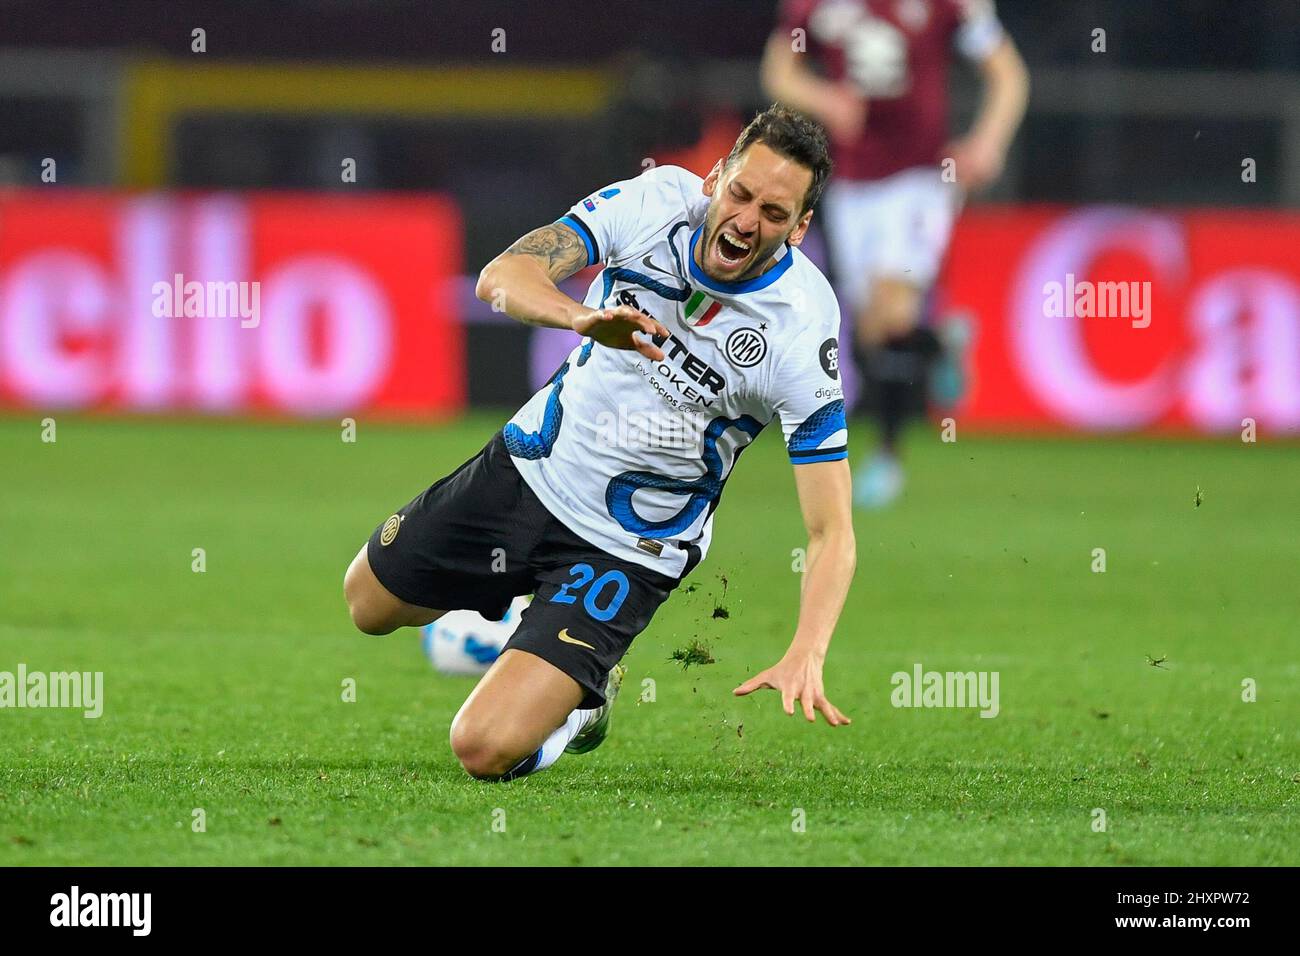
224, 688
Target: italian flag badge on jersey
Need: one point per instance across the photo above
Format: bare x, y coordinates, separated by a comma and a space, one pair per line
700, 309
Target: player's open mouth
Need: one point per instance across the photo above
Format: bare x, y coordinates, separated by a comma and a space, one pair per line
732, 250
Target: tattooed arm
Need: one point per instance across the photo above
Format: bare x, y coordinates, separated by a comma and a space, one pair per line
522, 282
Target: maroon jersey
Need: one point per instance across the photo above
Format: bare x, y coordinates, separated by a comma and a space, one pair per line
897, 53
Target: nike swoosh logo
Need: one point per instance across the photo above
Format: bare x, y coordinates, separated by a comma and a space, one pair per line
564, 636
650, 265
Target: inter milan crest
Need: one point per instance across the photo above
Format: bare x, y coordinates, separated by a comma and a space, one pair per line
746, 347
390, 529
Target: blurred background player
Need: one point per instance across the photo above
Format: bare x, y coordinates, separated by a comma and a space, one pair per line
875, 73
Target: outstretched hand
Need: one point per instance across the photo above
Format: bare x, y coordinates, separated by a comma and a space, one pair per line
798, 678
616, 328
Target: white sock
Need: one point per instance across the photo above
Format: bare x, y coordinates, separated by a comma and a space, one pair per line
562, 737
554, 745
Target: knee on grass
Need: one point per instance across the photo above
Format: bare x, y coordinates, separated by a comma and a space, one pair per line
480, 752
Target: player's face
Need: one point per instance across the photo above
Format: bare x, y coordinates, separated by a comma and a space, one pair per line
756, 207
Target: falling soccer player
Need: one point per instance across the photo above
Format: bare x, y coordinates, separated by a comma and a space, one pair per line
706, 319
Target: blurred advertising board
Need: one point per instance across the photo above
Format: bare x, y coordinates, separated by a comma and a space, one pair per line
1085, 319
265, 303
1107, 318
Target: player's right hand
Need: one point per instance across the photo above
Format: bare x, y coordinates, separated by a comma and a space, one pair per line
615, 328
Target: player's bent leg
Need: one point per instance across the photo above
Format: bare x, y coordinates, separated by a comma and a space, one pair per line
553, 688
375, 609
518, 706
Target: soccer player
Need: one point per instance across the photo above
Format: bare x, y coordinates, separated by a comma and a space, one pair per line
706, 324
878, 81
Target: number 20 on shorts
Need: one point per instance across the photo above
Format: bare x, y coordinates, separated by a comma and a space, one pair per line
584, 576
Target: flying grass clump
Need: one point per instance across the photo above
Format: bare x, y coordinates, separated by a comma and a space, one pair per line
720, 612
696, 652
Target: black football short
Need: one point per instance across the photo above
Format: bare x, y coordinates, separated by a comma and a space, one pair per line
479, 537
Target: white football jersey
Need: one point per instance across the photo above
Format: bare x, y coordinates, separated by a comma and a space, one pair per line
631, 454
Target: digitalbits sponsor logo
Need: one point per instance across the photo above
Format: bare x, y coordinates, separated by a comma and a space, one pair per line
829, 354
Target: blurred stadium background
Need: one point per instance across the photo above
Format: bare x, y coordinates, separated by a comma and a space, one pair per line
230, 164
126, 158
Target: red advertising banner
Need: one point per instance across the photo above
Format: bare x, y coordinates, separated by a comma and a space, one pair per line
1116, 318
278, 303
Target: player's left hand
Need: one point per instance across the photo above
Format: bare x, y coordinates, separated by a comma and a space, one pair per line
979, 161
797, 677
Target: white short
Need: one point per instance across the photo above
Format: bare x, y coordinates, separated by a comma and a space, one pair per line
897, 226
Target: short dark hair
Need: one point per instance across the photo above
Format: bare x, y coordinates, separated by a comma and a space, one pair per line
795, 136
